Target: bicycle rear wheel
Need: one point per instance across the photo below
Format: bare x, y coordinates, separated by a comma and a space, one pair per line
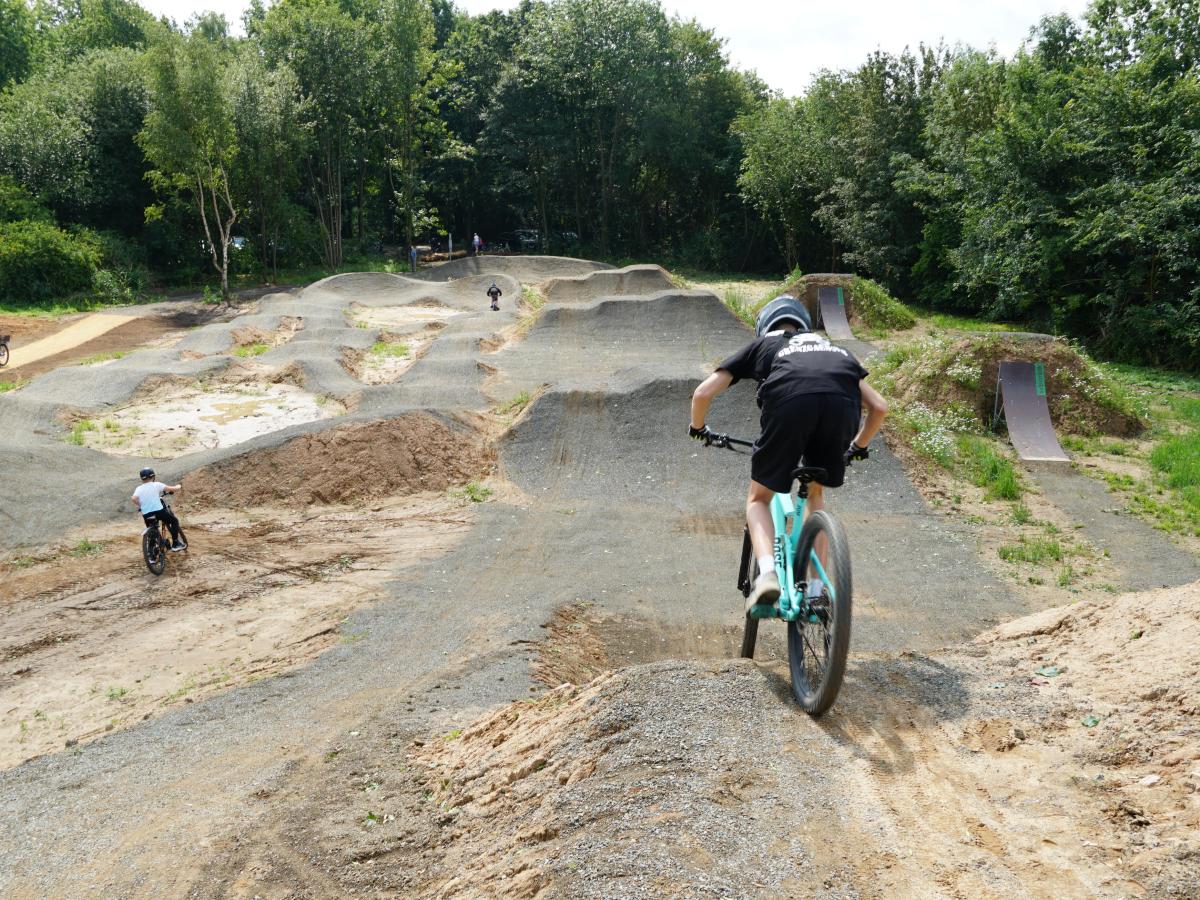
154, 551
819, 642
747, 573
3, 355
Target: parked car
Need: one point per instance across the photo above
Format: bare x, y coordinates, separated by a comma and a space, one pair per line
525, 240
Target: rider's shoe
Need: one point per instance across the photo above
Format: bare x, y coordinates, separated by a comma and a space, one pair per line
176, 547
766, 590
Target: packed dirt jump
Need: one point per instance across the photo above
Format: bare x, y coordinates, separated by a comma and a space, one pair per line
471, 631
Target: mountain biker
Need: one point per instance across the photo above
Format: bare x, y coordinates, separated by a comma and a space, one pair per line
811, 393
148, 497
494, 292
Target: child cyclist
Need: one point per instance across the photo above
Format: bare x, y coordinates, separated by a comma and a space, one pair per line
148, 497
811, 394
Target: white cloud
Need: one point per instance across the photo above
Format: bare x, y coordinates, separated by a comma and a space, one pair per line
788, 41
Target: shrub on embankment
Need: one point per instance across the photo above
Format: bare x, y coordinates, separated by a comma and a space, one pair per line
960, 374
943, 395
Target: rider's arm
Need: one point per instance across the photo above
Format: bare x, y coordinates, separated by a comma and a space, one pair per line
172, 488
709, 388
876, 408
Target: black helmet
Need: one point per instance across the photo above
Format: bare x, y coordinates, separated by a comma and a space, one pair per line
784, 308
146, 473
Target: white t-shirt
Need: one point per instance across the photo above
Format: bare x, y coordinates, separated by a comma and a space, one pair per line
149, 496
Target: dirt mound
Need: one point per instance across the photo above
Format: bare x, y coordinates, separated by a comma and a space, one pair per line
962, 371
257, 340
1123, 680
356, 461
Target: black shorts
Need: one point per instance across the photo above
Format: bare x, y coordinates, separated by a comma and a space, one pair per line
807, 429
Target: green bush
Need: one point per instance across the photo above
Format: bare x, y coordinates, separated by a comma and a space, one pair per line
879, 309
39, 261
16, 205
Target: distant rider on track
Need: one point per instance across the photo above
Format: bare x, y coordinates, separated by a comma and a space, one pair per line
811, 394
148, 497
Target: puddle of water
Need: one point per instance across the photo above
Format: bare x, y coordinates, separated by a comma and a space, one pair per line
203, 420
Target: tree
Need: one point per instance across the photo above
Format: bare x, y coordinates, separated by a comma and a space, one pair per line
189, 136
16, 41
270, 144
334, 59
406, 72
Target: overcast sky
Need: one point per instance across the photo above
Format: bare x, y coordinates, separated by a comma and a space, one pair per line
787, 41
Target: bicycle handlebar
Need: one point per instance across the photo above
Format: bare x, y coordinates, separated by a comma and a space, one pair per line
726, 441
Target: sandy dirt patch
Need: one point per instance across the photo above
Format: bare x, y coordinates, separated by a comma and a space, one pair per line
401, 319
179, 417
94, 642
78, 332
391, 356
250, 340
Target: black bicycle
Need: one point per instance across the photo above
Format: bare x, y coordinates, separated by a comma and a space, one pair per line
4, 339
816, 590
156, 543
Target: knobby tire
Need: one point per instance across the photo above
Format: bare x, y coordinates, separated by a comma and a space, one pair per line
154, 551
833, 640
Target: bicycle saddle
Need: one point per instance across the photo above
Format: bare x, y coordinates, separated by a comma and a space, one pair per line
809, 473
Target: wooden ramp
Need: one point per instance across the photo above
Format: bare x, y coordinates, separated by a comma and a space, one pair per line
1021, 397
833, 314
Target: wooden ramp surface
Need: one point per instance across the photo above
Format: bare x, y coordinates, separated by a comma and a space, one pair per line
1023, 394
833, 313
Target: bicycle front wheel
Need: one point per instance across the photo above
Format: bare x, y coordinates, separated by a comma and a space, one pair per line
3, 355
819, 640
154, 551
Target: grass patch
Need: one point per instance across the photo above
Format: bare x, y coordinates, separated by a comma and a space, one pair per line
989, 469
1021, 514
474, 491
116, 692
951, 322
86, 548
6, 386
78, 430
103, 357
1036, 550
389, 350
515, 405
878, 309
258, 348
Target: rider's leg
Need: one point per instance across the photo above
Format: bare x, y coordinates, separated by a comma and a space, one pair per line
762, 542
173, 524
762, 528
816, 501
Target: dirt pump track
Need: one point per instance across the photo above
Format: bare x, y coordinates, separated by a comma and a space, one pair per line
394, 763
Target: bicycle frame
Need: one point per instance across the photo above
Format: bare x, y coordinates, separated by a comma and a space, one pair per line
787, 514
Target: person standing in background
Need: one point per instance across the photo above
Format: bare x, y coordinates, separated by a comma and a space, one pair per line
412, 257
477, 243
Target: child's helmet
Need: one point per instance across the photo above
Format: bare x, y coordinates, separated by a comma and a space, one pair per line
784, 308
146, 473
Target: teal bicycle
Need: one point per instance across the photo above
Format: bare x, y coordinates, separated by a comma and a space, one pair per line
813, 562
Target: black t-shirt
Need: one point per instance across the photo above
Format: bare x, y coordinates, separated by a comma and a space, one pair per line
494, 292
786, 364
